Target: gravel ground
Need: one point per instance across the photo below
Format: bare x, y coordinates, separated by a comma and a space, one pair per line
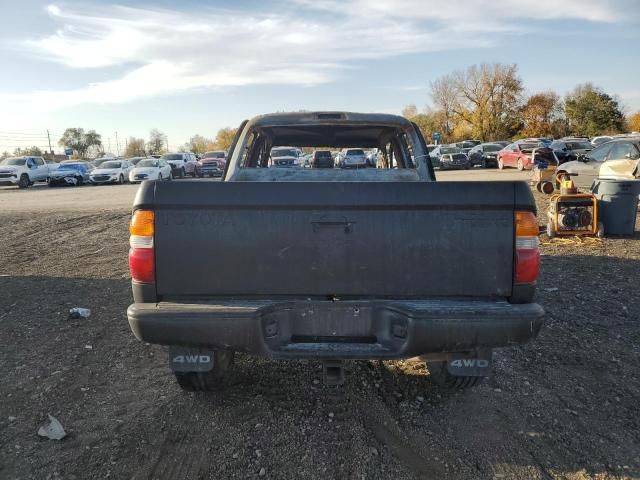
564, 406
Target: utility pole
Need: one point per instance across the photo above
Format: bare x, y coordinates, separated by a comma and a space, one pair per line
49, 137
109, 140
167, 144
117, 145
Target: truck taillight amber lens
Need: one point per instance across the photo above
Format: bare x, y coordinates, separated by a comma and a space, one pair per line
141, 253
527, 255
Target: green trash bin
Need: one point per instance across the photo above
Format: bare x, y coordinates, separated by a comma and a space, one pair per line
617, 204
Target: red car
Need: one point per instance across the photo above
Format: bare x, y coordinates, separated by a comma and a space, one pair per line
212, 164
518, 155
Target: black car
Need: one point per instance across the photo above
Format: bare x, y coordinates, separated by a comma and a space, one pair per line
321, 159
449, 161
570, 149
485, 154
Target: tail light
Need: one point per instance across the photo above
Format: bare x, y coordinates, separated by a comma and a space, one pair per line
527, 255
141, 253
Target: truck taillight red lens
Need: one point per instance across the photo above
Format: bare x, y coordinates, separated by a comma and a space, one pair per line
527, 255
141, 253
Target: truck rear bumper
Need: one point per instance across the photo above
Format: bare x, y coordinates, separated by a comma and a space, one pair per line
367, 329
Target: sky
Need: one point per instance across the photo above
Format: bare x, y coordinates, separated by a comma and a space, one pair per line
193, 67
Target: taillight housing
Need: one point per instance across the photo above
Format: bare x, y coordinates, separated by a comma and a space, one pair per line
141, 253
527, 253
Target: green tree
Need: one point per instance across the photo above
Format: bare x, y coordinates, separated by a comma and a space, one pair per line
590, 111
224, 138
157, 142
135, 147
79, 141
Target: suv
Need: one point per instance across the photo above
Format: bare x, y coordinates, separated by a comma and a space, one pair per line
352, 158
569, 149
321, 159
182, 164
485, 154
212, 164
25, 171
285, 157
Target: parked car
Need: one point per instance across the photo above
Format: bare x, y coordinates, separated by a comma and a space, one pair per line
570, 149
212, 164
450, 276
502, 143
321, 159
113, 171
151, 169
466, 145
96, 162
26, 170
454, 161
519, 154
72, 173
485, 154
286, 157
597, 141
440, 150
352, 158
618, 155
182, 164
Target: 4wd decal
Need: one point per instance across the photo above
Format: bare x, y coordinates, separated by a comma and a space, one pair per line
183, 359
472, 367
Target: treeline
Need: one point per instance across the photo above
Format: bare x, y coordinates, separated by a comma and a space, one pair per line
488, 102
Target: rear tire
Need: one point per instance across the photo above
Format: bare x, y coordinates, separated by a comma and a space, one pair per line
500, 163
80, 182
182, 173
520, 165
207, 381
121, 180
440, 376
160, 177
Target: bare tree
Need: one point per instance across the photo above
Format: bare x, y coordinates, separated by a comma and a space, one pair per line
157, 142
135, 147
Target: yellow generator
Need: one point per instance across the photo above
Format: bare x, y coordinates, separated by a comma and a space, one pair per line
573, 213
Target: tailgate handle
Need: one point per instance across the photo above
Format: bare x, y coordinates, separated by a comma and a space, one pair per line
337, 223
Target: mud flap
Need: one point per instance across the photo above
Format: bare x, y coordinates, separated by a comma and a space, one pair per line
190, 359
476, 364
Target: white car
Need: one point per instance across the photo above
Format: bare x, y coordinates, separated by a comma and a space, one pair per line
286, 157
151, 169
111, 171
25, 171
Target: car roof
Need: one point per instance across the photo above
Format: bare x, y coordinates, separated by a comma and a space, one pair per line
330, 117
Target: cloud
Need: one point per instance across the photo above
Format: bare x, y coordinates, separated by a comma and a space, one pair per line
305, 42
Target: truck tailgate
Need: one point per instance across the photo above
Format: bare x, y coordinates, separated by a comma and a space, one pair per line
342, 239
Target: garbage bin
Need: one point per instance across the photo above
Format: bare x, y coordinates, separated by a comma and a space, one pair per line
617, 204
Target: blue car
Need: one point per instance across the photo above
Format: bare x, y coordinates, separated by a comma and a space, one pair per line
72, 173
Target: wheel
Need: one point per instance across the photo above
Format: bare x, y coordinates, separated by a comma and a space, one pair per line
182, 173
170, 177
600, 232
500, 163
207, 381
160, 176
121, 179
440, 375
550, 230
520, 165
484, 163
80, 181
24, 181
467, 166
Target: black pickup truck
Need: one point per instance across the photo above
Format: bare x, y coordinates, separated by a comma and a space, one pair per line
333, 264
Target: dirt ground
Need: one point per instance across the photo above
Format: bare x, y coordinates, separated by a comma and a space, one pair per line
565, 406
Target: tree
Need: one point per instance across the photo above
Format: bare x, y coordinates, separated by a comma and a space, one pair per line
199, 144
35, 151
79, 141
410, 111
4, 155
135, 147
590, 111
157, 142
633, 122
543, 116
487, 98
224, 138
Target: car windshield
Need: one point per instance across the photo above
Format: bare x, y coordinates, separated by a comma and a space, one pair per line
111, 165
579, 146
492, 148
213, 155
355, 151
172, 156
446, 150
284, 152
13, 161
323, 154
529, 146
147, 163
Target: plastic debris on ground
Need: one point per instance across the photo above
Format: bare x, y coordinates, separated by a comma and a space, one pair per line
78, 312
53, 430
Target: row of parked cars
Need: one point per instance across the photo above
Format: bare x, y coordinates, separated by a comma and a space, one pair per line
24, 171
